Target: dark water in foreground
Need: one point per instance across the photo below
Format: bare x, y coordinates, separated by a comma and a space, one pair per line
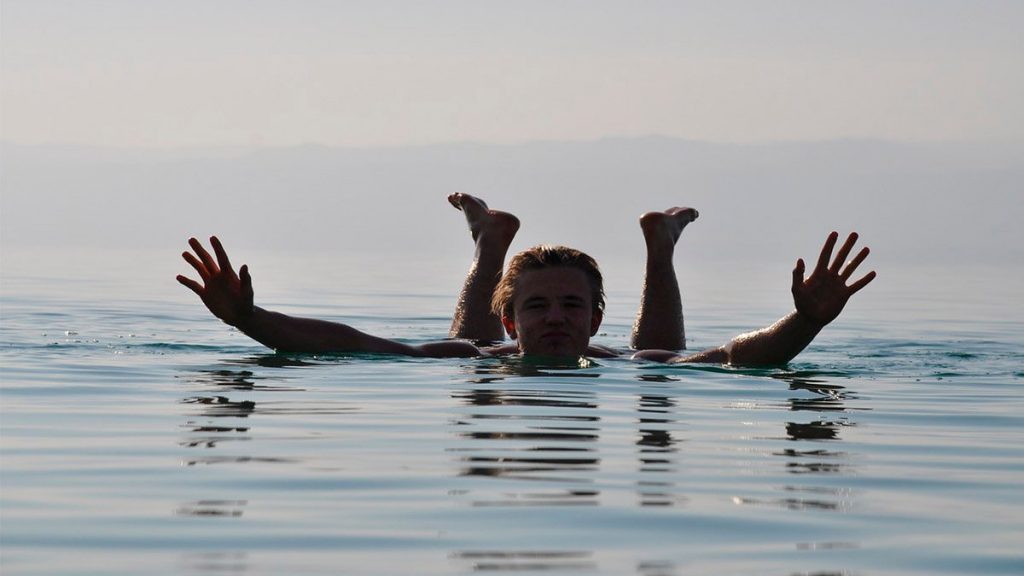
139, 436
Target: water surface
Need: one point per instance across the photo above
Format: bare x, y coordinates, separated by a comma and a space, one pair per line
140, 435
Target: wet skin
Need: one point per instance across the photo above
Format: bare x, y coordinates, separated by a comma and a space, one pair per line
554, 313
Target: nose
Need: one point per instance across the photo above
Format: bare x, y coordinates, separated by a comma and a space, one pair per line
555, 314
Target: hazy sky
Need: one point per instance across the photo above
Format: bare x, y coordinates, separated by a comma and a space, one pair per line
238, 72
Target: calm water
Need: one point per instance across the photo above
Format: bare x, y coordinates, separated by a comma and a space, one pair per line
140, 435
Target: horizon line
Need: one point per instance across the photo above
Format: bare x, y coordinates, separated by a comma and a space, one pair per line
513, 144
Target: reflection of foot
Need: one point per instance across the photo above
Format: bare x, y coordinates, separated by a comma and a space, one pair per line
485, 225
662, 229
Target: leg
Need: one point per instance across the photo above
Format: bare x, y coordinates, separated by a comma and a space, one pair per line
659, 322
492, 232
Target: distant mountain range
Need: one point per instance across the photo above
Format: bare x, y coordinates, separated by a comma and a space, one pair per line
913, 202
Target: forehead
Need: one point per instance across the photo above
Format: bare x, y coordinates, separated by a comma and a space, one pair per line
556, 282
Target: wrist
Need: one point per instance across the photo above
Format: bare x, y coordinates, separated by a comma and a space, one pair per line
243, 318
808, 322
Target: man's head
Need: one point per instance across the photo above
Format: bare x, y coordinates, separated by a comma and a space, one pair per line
551, 299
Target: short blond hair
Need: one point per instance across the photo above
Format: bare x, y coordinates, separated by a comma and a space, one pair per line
539, 258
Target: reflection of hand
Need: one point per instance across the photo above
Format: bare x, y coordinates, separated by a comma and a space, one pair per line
228, 296
822, 296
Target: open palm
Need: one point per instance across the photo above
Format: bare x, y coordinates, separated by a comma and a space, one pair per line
822, 296
226, 294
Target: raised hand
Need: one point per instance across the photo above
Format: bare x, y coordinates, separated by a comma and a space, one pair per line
822, 296
226, 294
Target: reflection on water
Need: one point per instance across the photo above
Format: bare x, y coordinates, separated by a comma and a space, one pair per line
187, 449
221, 508
247, 379
551, 434
216, 562
656, 442
656, 568
547, 427
235, 379
524, 561
815, 460
272, 361
546, 435
535, 436
237, 460
222, 406
484, 371
210, 436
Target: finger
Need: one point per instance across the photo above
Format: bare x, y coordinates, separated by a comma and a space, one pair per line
211, 266
455, 200
222, 256
798, 274
844, 251
691, 213
852, 266
862, 282
826, 252
246, 281
199, 266
190, 284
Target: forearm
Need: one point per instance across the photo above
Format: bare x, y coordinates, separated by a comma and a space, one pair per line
709, 356
776, 344
290, 334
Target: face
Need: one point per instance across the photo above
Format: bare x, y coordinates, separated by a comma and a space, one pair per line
554, 313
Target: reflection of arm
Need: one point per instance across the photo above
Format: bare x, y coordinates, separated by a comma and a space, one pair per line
819, 299
598, 351
229, 296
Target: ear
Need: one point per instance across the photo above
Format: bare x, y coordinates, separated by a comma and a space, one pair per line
595, 321
510, 326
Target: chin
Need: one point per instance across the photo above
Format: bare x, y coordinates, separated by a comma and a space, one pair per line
558, 352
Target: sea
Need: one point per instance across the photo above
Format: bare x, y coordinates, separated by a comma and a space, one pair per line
139, 435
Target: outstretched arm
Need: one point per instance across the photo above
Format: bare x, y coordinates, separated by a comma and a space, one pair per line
229, 296
819, 299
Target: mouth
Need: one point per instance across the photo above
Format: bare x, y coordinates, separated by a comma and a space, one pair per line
556, 343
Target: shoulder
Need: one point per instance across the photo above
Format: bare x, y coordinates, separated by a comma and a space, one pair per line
445, 349
501, 350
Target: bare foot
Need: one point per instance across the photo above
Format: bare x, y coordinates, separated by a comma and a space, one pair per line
662, 229
485, 225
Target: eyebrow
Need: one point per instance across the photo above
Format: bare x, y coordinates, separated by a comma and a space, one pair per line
568, 298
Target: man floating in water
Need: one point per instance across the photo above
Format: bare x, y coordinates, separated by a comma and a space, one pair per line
550, 300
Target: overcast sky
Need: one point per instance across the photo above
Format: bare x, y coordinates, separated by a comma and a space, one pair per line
265, 72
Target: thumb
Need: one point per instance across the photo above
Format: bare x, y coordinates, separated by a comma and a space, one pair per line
246, 282
798, 274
